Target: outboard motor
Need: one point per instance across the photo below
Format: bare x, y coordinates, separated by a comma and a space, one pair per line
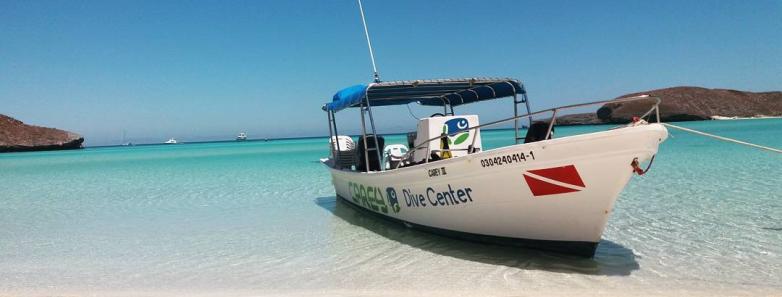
371, 152
537, 132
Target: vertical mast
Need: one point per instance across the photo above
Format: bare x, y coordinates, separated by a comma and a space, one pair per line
369, 43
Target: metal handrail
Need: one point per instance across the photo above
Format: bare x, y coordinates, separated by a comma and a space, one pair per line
655, 107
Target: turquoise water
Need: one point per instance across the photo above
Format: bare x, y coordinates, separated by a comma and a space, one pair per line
258, 218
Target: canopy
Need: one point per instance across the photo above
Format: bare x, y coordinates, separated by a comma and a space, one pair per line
437, 92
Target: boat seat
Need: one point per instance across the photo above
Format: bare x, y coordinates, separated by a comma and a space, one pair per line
370, 153
345, 153
393, 154
537, 132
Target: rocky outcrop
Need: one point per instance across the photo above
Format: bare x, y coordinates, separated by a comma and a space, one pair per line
694, 103
589, 118
16, 136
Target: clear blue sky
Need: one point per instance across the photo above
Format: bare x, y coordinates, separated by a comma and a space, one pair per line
201, 70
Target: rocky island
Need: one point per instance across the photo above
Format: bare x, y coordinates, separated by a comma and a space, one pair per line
685, 104
16, 136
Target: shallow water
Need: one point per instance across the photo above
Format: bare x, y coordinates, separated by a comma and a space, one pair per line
261, 217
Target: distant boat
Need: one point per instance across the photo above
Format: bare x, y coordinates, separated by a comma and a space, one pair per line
242, 137
125, 143
171, 141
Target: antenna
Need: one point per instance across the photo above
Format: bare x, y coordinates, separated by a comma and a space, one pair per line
369, 43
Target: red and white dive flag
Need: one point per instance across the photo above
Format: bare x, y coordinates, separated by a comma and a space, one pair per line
555, 180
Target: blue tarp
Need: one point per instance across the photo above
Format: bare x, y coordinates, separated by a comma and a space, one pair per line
426, 92
347, 97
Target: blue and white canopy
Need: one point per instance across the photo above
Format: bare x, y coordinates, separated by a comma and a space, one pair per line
436, 92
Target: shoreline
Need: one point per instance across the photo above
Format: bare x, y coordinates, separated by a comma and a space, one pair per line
739, 290
758, 117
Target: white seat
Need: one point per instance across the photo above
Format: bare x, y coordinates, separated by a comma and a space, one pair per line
393, 154
346, 151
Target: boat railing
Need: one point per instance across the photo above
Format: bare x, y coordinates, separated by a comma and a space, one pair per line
425, 145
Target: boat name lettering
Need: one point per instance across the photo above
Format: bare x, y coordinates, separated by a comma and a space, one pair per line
435, 198
437, 171
508, 159
368, 196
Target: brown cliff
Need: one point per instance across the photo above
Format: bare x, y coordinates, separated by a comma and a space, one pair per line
16, 136
695, 103
578, 119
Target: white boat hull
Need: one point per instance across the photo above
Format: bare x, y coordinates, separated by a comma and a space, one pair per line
555, 194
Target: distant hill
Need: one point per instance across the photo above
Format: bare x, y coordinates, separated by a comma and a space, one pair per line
16, 136
589, 118
694, 103
685, 104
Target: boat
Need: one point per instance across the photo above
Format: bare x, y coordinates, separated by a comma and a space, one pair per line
171, 141
124, 142
539, 191
241, 137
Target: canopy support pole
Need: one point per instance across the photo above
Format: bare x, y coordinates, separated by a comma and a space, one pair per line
374, 132
336, 133
516, 102
334, 154
515, 119
334, 119
445, 105
551, 125
364, 136
516, 111
526, 102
